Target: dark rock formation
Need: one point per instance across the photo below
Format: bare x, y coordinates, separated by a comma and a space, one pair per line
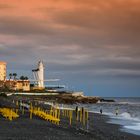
106, 100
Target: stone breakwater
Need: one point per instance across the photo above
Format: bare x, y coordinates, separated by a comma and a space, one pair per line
77, 99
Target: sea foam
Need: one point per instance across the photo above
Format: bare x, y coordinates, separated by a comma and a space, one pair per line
134, 126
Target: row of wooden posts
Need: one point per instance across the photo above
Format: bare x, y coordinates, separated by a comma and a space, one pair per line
53, 115
81, 115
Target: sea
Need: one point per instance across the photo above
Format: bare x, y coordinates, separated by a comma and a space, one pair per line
128, 112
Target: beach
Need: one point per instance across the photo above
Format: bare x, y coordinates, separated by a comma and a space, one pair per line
24, 128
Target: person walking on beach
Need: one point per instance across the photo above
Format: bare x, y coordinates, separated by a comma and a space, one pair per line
101, 111
117, 111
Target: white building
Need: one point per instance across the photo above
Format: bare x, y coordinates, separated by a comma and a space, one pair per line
39, 74
2, 71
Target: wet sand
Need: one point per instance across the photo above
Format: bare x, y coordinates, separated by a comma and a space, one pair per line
37, 129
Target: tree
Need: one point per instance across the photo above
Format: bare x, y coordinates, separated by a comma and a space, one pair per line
22, 78
14, 74
10, 76
26, 78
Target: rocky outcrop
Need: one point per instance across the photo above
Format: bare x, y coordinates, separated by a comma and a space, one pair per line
106, 100
67, 99
61, 98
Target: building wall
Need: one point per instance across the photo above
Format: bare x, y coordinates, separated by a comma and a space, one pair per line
23, 85
18, 85
2, 71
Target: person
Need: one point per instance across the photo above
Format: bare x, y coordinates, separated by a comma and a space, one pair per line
117, 111
101, 111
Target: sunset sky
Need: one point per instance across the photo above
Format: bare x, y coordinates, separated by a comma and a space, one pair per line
91, 45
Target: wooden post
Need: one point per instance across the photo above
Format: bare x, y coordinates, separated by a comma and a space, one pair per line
70, 116
80, 115
16, 106
83, 116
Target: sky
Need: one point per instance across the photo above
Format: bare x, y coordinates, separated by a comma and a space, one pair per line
91, 45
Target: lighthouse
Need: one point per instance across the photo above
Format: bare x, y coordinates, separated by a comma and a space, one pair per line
40, 74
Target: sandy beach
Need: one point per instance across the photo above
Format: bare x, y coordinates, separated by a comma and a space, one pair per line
25, 129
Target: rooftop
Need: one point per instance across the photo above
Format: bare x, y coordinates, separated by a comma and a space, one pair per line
2, 62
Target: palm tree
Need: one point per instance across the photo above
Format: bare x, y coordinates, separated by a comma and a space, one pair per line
10, 76
26, 78
22, 78
14, 74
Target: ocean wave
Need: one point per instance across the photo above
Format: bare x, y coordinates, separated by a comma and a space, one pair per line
125, 116
129, 103
134, 126
120, 103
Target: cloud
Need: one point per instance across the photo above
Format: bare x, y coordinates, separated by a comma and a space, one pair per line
5, 6
82, 39
103, 21
22, 26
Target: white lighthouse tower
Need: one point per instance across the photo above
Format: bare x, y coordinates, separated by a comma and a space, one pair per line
40, 74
